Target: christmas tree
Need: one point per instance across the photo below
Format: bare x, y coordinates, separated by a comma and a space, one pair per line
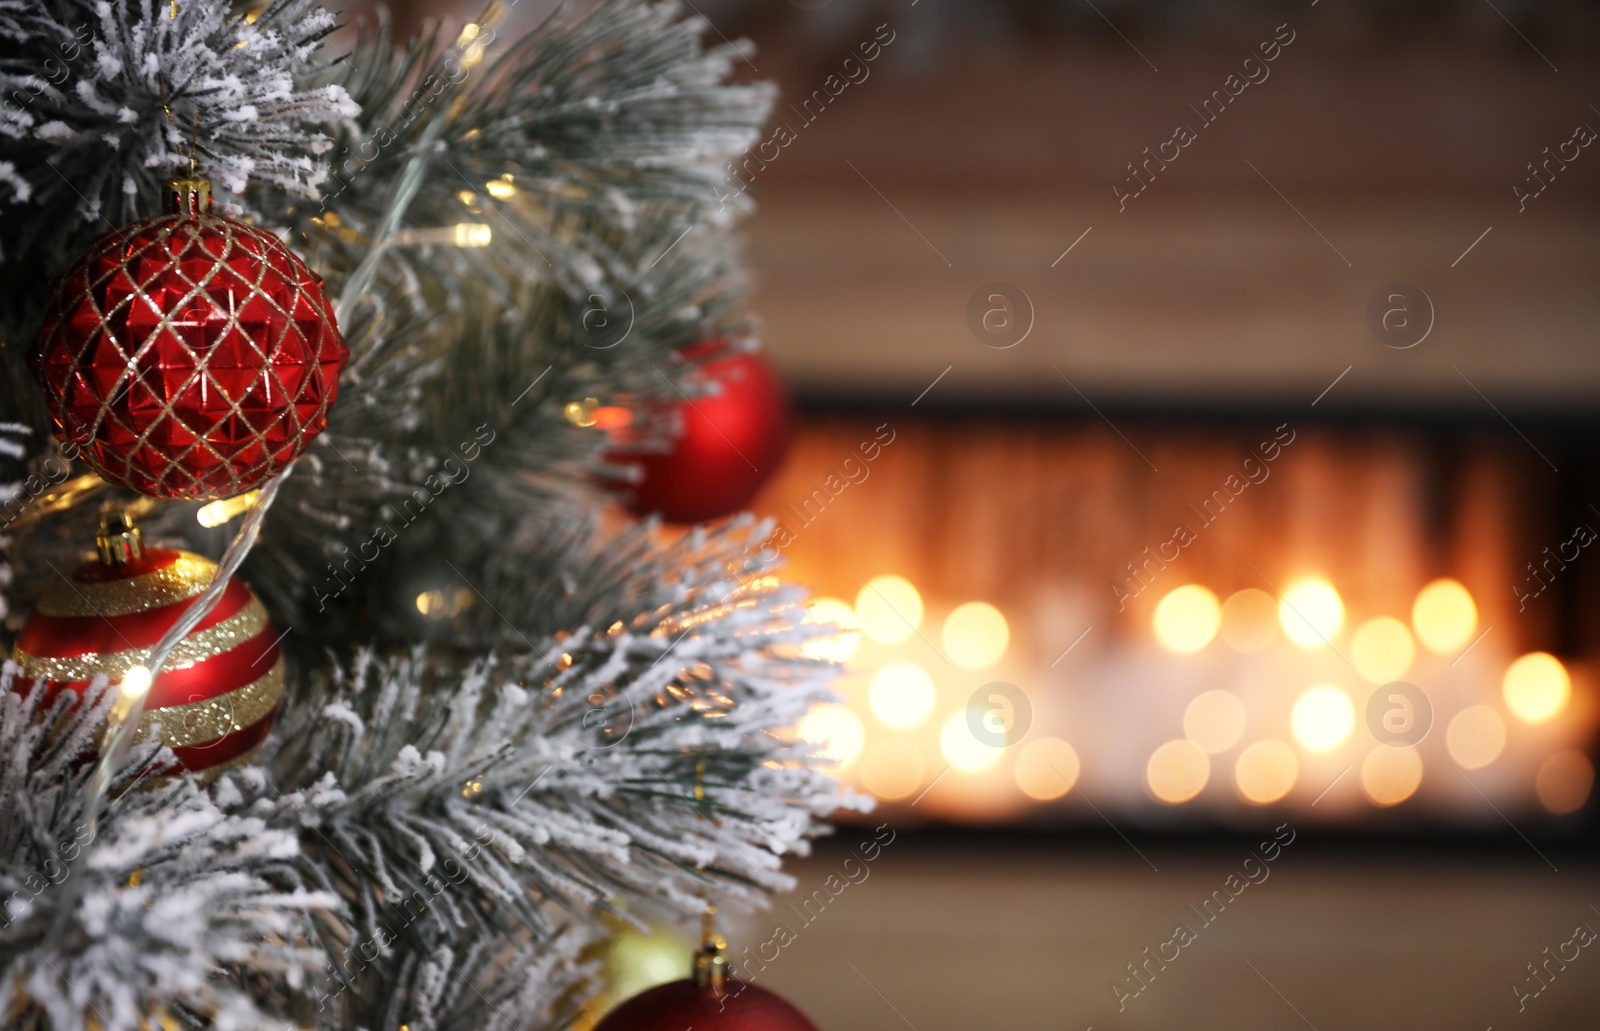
503, 716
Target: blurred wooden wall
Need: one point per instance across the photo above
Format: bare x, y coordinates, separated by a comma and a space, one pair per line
1006, 510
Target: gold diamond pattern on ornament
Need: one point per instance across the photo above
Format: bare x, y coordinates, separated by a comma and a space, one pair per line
170, 353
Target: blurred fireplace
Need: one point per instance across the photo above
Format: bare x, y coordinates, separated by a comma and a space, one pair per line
1244, 689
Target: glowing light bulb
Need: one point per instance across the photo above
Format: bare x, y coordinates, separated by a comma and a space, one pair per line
1476, 737
462, 234
1444, 616
1536, 687
1187, 619
216, 513
901, 695
1214, 721
1249, 620
135, 682
889, 608
1323, 718
1047, 768
962, 749
839, 647
1382, 650
1266, 771
976, 635
1311, 613
1177, 772
837, 730
1391, 775
471, 234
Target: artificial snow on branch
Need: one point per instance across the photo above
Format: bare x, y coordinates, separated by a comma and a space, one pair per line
424, 806
182, 909
503, 719
99, 107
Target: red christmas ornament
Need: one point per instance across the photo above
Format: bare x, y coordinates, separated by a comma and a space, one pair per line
189, 356
677, 1005
219, 691
728, 443
712, 1000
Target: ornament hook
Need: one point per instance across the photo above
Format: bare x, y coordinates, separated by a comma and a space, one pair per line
711, 963
190, 194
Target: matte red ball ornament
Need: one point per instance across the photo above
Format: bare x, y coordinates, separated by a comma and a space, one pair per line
189, 356
220, 689
729, 442
712, 1000
684, 1004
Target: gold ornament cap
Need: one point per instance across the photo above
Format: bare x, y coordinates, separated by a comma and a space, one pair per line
119, 540
189, 195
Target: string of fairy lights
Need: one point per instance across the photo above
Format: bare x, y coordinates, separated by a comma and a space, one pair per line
1255, 699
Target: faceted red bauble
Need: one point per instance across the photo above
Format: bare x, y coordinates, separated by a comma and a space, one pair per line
734, 1006
189, 356
220, 689
731, 441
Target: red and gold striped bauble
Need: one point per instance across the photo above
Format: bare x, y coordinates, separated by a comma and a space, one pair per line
219, 691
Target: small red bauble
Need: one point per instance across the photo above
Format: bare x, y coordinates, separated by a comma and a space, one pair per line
730, 441
677, 1005
220, 689
713, 999
189, 356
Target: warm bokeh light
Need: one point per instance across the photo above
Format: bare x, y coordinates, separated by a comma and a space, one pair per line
976, 635
892, 769
1266, 771
1536, 687
1177, 772
1564, 782
637, 960
1391, 775
503, 188
840, 647
901, 695
1382, 650
1311, 613
1444, 616
889, 608
439, 605
1047, 768
1187, 619
1476, 737
837, 730
962, 750
1214, 721
1249, 620
1322, 719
